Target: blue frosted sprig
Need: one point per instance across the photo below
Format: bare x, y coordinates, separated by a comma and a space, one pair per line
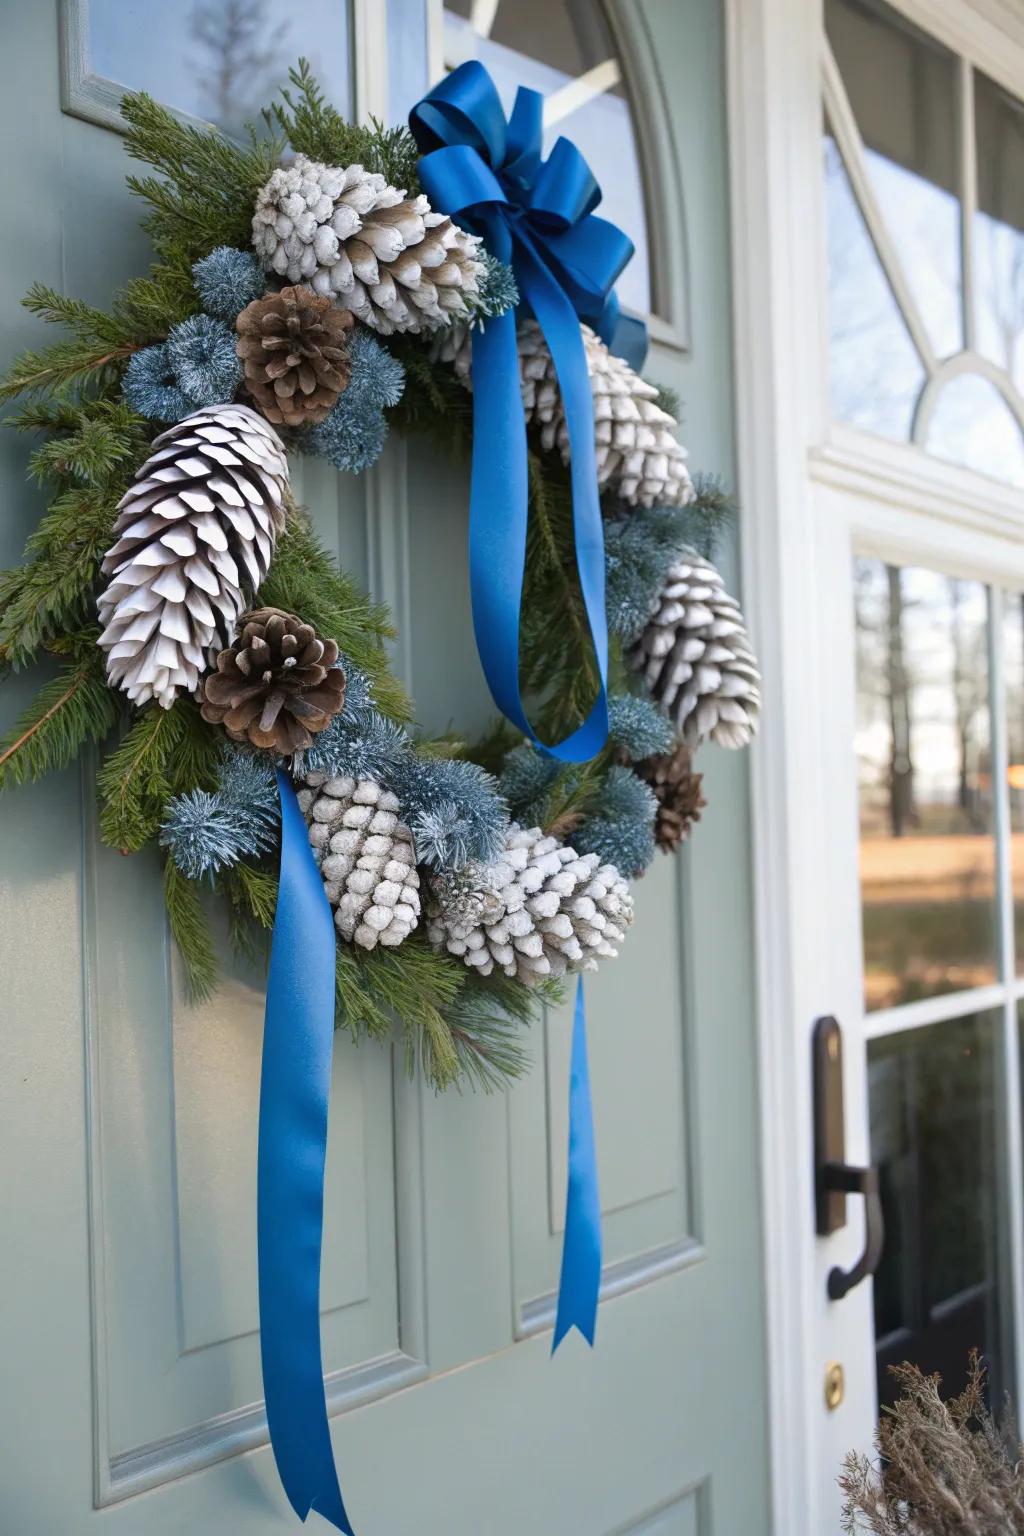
457, 805
621, 829
211, 830
363, 746
497, 290
227, 280
203, 357
149, 386
351, 437
526, 777
639, 549
377, 377
637, 726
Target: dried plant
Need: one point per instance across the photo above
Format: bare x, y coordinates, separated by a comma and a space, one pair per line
945, 1468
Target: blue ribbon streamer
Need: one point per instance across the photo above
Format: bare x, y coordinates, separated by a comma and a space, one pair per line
298, 1042
580, 1282
537, 215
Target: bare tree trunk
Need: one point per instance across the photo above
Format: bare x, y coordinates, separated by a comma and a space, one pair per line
901, 767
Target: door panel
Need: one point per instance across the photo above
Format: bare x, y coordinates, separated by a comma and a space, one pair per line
129, 1114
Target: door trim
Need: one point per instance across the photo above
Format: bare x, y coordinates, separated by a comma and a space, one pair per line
787, 453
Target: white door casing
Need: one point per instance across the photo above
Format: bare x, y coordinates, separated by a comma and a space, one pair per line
814, 493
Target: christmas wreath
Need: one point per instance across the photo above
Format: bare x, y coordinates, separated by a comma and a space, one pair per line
311, 289
306, 305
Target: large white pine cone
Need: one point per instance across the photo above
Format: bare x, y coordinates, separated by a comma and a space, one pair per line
194, 534
365, 857
390, 259
637, 451
696, 657
540, 909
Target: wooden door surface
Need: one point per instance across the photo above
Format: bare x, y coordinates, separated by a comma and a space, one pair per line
130, 1383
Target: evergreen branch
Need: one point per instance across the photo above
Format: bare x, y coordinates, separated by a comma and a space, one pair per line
165, 753
190, 931
74, 708
313, 127
208, 188
305, 579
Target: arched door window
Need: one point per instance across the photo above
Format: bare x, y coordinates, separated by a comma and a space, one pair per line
582, 56
924, 176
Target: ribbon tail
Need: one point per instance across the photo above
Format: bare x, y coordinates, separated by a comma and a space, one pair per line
298, 1043
580, 1281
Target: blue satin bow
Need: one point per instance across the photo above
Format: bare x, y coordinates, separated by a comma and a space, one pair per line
536, 215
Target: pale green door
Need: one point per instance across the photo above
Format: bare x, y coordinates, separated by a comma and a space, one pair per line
130, 1387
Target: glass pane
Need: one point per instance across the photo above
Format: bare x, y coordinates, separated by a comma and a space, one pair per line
927, 851
902, 89
220, 60
999, 229
1013, 673
933, 1129
545, 44
973, 425
875, 374
407, 56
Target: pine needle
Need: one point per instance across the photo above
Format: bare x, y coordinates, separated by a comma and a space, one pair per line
191, 931
67, 713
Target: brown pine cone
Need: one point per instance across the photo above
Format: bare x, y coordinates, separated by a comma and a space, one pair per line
677, 789
277, 685
294, 351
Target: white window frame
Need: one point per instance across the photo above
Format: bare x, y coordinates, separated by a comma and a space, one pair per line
791, 458
87, 94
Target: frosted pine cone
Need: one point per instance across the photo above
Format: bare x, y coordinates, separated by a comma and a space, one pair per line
636, 449
391, 259
365, 857
696, 657
540, 909
195, 533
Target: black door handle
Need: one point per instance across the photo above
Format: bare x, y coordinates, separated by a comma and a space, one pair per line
834, 1178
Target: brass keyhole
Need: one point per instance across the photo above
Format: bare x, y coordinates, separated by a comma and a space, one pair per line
835, 1385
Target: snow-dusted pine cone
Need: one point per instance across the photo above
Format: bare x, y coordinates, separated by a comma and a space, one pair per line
637, 452
195, 533
391, 259
696, 657
541, 909
365, 856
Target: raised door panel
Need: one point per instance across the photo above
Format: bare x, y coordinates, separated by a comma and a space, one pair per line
637, 1039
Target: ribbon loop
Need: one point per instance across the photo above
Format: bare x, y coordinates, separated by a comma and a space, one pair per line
538, 215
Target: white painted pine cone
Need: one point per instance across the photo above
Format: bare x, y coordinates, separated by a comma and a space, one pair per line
392, 260
194, 536
365, 857
637, 451
540, 909
696, 657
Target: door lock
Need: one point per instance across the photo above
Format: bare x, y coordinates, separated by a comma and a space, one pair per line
834, 1178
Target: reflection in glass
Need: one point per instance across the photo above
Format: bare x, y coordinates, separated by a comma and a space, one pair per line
933, 1119
999, 227
875, 374
972, 425
902, 90
545, 44
927, 852
220, 60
